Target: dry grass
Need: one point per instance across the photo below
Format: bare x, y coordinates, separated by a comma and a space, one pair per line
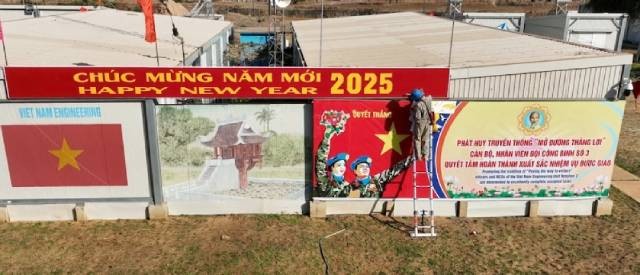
288, 244
628, 156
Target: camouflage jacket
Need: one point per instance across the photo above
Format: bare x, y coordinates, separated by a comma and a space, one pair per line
420, 112
327, 185
381, 179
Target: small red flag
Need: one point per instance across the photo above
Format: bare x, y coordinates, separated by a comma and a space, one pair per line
149, 23
65, 155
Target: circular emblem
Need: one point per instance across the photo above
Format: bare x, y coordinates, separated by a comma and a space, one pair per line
534, 119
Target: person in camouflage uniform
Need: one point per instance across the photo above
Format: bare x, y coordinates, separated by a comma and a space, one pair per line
372, 187
333, 185
421, 120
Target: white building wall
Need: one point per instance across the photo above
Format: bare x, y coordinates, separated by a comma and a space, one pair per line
209, 58
210, 54
214, 56
583, 83
222, 45
204, 59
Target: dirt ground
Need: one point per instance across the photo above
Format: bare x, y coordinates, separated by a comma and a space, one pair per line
254, 13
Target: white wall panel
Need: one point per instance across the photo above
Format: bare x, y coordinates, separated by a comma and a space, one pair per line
586, 83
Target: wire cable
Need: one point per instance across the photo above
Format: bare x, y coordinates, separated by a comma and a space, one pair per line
324, 259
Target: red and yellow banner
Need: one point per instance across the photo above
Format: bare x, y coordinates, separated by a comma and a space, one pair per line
227, 82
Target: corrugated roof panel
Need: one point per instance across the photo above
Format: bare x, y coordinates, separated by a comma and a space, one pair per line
103, 36
517, 66
590, 83
413, 33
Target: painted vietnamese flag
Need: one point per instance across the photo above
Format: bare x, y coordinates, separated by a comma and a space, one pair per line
378, 129
65, 155
149, 22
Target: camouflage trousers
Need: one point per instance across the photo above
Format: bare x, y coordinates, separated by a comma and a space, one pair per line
422, 140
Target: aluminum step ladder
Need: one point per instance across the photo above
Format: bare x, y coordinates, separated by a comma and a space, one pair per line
420, 229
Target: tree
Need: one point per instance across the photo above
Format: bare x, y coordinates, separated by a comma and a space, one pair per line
176, 129
284, 150
265, 116
631, 7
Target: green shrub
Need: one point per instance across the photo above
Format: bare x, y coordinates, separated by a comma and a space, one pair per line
283, 150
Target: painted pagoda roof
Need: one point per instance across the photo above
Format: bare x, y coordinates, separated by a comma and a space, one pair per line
230, 134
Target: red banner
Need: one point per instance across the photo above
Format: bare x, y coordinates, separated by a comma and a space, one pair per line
65, 155
223, 82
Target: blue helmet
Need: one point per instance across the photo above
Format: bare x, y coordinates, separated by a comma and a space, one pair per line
416, 95
338, 157
361, 159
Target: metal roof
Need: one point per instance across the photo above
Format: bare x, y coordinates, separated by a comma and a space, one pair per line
102, 37
411, 39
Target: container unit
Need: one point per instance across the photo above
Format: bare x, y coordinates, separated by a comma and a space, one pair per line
503, 21
599, 30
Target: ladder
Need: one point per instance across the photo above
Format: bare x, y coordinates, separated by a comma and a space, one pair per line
420, 229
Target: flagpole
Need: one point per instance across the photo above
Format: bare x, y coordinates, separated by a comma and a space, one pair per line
321, 17
157, 56
4, 51
154, 30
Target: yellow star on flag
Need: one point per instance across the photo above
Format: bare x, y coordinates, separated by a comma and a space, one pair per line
66, 155
391, 140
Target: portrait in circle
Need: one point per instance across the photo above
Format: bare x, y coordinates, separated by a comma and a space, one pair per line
534, 120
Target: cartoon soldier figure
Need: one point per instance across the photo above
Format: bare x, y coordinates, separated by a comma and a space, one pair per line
333, 185
372, 187
336, 186
421, 119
